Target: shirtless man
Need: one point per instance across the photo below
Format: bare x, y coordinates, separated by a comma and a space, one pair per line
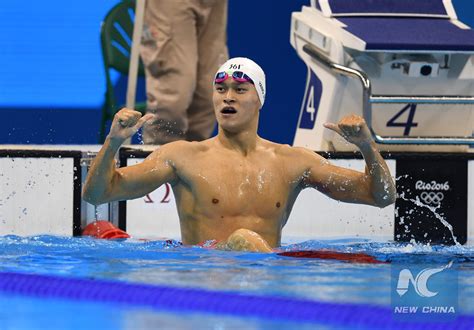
237, 188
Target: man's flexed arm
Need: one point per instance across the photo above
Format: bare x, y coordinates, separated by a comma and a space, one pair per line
354, 129
105, 183
374, 187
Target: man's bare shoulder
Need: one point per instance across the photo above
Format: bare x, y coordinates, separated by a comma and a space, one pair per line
182, 148
277, 148
285, 150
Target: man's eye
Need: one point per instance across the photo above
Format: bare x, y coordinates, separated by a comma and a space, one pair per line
241, 90
220, 89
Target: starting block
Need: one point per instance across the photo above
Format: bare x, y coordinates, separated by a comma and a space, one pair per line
406, 66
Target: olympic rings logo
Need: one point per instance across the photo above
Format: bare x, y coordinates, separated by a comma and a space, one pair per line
432, 197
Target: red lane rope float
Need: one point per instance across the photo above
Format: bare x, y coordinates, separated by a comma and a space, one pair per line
333, 255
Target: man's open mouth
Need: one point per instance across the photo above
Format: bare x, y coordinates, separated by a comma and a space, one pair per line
228, 110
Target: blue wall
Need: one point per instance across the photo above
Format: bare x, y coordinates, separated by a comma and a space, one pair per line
51, 75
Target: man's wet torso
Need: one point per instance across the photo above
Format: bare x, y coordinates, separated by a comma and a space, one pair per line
220, 191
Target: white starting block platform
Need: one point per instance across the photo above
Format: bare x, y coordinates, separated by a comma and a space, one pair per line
406, 66
41, 189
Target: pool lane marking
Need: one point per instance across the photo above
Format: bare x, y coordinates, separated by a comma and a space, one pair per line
207, 301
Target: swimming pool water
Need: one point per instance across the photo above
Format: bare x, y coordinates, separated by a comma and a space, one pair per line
161, 263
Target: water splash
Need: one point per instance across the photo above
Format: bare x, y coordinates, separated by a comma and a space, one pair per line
244, 183
433, 210
261, 180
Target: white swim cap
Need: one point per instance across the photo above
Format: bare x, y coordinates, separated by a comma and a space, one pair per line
251, 69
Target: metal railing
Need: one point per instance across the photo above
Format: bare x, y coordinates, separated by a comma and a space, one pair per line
368, 99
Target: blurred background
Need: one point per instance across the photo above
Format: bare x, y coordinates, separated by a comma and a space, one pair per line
52, 78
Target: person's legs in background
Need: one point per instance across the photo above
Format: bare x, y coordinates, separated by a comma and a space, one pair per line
170, 54
212, 53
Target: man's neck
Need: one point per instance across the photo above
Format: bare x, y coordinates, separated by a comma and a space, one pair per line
243, 142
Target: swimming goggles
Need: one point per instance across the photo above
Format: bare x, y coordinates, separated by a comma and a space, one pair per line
238, 76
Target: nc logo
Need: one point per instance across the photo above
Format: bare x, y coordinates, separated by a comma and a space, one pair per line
420, 282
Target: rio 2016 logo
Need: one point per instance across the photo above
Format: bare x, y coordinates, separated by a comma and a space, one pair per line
432, 192
433, 185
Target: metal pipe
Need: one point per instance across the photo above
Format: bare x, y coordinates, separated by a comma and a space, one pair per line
368, 99
422, 99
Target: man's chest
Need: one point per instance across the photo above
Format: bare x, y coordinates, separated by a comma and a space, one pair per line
237, 187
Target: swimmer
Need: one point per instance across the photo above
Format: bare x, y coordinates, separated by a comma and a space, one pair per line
237, 189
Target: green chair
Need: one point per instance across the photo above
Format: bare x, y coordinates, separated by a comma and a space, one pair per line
116, 38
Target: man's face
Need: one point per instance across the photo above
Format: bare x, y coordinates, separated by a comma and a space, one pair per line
235, 104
